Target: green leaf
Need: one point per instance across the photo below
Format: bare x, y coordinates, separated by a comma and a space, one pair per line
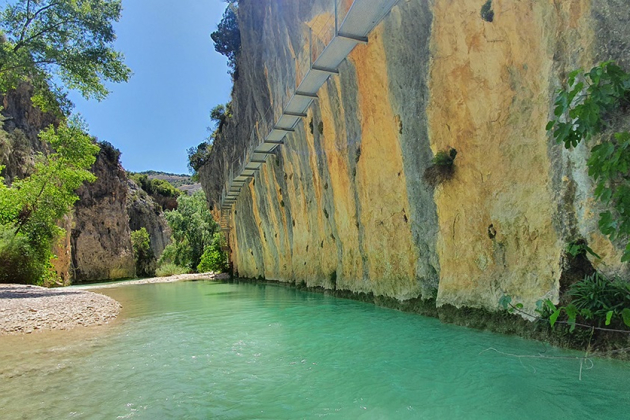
609, 316
554, 317
590, 251
571, 311
550, 125
625, 314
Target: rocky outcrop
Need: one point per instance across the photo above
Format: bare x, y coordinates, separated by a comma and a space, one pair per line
101, 238
21, 124
343, 203
144, 212
97, 244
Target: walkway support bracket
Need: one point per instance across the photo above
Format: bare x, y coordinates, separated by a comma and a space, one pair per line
355, 38
306, 94
325, 70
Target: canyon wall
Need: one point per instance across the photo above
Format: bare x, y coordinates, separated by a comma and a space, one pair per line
97, 243
343, 204
101, 237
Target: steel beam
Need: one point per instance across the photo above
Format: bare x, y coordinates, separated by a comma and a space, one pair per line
306, 94
358, 39
325, 70
295, 114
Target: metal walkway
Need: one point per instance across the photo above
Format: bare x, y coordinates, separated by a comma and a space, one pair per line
352, 21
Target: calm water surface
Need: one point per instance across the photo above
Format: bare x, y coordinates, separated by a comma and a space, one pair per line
204, 350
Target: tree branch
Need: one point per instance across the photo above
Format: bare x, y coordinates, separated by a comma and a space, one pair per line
28, 22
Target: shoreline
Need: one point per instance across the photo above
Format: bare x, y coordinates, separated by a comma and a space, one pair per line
26, 309
154, 280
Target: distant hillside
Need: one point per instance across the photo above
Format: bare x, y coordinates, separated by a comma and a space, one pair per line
179, 181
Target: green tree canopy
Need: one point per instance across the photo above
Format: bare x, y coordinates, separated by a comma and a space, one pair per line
198, 156
68, 39
193, 229
142, 253
31, 208
588, 109
227, 37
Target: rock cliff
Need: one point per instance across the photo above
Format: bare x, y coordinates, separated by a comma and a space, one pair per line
144, 212
343, 203
101, 238
97, 245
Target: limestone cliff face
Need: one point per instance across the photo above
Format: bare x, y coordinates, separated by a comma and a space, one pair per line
19, 131
97, 244
343, 203
145, 213
101, 241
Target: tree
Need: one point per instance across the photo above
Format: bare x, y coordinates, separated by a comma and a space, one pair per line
198, 156
214, 257
68, 39
227, 37
193, 229
32, 207
588, 109
142, 252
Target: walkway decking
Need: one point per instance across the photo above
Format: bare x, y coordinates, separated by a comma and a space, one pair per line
353, 21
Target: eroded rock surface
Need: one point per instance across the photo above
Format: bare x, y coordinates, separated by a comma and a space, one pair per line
343, 203
101, 238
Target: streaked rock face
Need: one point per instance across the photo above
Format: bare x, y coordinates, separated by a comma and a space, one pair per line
101, 238
343, 202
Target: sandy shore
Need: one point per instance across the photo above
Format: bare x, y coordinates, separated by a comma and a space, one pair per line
27, 309
171, 279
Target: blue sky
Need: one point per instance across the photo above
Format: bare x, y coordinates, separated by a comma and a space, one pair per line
178, 78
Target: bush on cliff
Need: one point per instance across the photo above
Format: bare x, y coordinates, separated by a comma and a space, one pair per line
227, 37
591, 108
162, 191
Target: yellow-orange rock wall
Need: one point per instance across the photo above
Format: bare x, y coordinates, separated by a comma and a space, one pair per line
343, 204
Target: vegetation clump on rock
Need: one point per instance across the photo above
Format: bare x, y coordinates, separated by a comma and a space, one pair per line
442, 168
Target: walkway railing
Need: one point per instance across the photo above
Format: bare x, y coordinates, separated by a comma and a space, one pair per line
327, 44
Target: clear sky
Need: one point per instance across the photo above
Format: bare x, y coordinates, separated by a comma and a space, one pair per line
178, 78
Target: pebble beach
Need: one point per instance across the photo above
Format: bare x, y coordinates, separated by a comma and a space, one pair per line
26, 309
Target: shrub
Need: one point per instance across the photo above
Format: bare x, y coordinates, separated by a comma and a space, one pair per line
109, 151
442, 169
596, 296
198, 156
592, 103
170, 269
214, 258
142, 253
19, 262
31, 208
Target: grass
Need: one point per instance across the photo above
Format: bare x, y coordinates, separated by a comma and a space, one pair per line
167, 270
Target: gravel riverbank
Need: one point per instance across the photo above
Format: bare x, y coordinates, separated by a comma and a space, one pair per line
26, 309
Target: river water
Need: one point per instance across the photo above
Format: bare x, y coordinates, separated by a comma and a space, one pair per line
205, 350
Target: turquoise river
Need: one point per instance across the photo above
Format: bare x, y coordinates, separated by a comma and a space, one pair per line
206, 350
